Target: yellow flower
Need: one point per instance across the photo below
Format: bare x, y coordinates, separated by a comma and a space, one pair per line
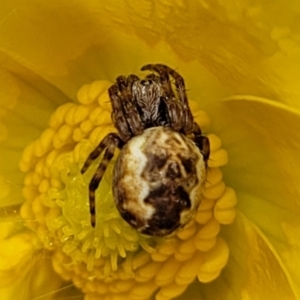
50, 50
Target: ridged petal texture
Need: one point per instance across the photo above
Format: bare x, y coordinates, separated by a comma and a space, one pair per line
50, 50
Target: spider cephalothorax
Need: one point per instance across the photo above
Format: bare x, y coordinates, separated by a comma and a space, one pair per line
160, 171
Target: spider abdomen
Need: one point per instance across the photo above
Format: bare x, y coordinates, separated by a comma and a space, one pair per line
158, 181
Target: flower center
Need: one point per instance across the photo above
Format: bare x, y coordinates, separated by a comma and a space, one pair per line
113, 258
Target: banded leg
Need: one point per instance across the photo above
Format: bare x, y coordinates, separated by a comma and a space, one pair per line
110, 143
181, 90
117, 114
129, 109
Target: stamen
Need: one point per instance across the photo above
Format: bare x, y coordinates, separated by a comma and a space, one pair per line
113, 260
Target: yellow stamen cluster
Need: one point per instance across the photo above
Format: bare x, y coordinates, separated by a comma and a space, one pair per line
113, 261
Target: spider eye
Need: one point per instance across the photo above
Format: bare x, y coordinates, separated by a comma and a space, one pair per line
146, 82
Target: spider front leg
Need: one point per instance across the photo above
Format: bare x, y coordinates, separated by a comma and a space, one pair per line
181, 90
129, 108
117, 114
110, 143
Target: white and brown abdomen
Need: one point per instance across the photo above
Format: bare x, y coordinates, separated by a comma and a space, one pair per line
158, 181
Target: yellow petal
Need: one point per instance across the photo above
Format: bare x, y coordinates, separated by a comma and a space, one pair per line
264, 167
254, 271
25, 270
244, 46
26, 103
223, 48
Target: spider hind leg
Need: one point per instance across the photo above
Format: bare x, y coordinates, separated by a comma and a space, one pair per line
201, 141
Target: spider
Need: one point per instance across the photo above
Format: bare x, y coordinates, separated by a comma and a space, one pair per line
159, 174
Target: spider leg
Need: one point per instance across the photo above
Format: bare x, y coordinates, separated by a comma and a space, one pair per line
174, 108
117, 114
106, 141
152, 77
187, 115
202, 142
110, 143
129, 108
181, 90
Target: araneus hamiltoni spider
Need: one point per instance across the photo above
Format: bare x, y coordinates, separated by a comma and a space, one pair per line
159, 174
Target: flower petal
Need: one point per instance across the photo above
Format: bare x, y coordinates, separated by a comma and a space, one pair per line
263, 140
254, 271
26, 103
25, 272
199, 38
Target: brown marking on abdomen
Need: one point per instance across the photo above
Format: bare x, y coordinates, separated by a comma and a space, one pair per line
168, 206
